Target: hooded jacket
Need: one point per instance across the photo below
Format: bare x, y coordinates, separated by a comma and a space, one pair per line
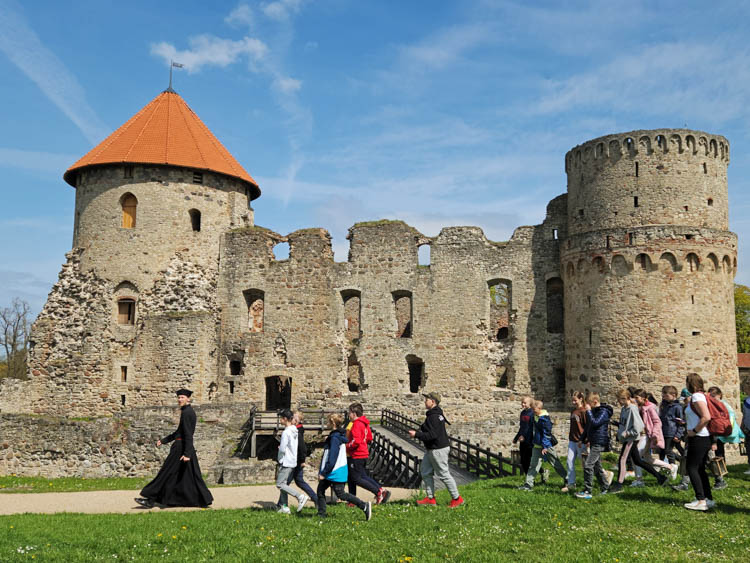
543, 431
669, 412
288, 447
525, 427
360, 436
652, 424
596, 431
631, 424
432, 431
333, 466
737, 435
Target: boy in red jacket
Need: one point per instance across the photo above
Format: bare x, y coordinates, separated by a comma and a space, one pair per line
359, 437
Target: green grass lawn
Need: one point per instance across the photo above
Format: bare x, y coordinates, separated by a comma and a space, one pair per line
498, 523
16, 484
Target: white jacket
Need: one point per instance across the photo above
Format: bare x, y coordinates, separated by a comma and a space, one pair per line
288, 447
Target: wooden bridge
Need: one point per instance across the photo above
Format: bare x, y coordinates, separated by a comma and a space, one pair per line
394, 456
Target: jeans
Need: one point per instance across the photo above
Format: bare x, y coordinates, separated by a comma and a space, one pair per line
574, 450
338, 488
358, 476
593, 465
536, 464
697, 456
282, 480
435, 462
298, 476
668, 450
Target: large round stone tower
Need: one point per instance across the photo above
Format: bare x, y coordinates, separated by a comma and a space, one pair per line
649, 262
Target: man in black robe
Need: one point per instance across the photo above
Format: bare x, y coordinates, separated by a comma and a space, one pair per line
179, 481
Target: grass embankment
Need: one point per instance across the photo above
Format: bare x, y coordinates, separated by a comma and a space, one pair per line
498, 523
15, 484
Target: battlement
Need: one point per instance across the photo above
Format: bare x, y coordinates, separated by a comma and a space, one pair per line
648, 143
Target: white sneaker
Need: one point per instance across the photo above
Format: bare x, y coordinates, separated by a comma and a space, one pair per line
629, 474
709, 503
608, 476
701, 505
673, 471
284, 510
301, 502
747, 472
638, 483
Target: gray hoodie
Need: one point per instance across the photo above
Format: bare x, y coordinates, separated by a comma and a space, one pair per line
631, 424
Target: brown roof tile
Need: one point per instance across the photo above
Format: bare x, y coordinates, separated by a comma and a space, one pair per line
166, 131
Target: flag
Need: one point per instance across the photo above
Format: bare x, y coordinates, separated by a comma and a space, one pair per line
177, 65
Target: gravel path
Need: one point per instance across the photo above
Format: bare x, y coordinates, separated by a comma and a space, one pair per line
121, 502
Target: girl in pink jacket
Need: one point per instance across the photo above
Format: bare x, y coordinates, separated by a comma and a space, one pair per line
652, 427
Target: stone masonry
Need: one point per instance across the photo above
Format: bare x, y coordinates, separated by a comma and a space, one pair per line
627, 281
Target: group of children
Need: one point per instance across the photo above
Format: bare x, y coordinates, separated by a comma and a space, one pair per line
345, 454
650, 435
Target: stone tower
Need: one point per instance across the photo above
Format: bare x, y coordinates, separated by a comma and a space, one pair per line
649, 262
152, 203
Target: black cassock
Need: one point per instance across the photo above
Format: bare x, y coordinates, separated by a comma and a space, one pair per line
180, 483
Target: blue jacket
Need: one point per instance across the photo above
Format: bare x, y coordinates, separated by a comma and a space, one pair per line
669, 411
333, 466
542, 431
596, 431
746, 414
525, 426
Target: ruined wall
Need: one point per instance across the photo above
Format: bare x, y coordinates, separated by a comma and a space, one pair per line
648, 263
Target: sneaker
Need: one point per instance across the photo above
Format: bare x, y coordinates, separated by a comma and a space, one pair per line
568, 489
710, 503
301, 502
350, 504
673, 471
697, 505
284, 509
383, 496
144, 502
368, 510
525, 487
616, 488
584, 495
746, 472
456, 502
638, 483
721, 484
427, 501
681, 487
629, 474
608, 476
544, 475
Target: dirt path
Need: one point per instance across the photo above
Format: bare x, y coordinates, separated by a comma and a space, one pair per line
121, 502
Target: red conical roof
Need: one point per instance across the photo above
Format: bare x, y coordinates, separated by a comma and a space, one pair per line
166, 131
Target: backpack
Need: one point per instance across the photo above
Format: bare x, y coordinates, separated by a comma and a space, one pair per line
720, 424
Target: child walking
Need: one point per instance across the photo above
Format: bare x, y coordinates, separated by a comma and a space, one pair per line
333, 469
653, 428
525, 434
576, 447
670, 415
596, 435
628, 431
358, 452
287, 462
298, 474
543, 449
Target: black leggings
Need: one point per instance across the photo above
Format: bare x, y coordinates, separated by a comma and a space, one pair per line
697, 456
338, 488
525, 450
630, 452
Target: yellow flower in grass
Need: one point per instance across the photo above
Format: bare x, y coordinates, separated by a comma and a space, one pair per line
174, 537
184, 527
158, 535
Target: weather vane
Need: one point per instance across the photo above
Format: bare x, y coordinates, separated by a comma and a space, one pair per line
172, 65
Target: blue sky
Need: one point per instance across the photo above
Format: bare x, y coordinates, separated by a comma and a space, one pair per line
436, 113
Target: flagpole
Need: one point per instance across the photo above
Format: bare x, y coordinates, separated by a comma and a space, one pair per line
171, 63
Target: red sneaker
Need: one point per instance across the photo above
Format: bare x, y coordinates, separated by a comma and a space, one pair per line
350, 504
427, 501
456, 502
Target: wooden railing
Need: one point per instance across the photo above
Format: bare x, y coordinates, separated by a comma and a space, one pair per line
482, 462
391, 465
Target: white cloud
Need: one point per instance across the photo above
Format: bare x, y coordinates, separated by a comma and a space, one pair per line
35, 160
242, 15
25, 50
208, 50
281, 10
287, 84
445, 48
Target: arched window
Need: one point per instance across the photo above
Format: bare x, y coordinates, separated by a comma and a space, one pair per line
693, 262
352, 313
500, 305
126, 311
129, 205
668, 263
195, 219
555, 306
402, 305
255, 301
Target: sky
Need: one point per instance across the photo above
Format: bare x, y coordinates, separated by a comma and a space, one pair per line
437, 113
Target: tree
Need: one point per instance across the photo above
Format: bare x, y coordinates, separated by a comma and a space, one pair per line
14, 337
742, 317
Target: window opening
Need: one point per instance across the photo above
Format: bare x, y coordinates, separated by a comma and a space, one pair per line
123, 374
126, 311
416, 373
555, 234
278, 392
635, 201
692, 299
281, 251
589, 300
129, 207
352, 313
591, 336
630, 238
501, 374
122, 400
580, 212
424, 255
559, 374
235, 367
555, 306
255, 301
197, 177
710, 202
354, 376
686, 208
195, 219
500, 306
403, 307
693, 262
608, 243
231, 387
705, 170
696, 333
636, 169
127, 172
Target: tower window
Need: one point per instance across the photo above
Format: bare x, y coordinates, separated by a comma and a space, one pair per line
197, 177
630, 238
635, 201
580, 212
122, 400
231, 387
500, 307
123, 373
195, 219
255, 301
126, 311
555, 234
403, 306
127, 172
710, 202
636, 169
129, 206
705, 170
